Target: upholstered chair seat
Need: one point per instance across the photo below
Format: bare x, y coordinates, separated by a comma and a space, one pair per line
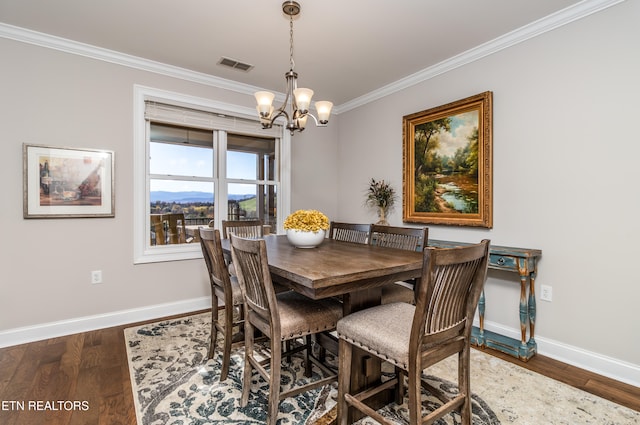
390, 341
319, 315
398, 292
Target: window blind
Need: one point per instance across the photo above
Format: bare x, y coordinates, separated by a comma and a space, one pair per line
171, 114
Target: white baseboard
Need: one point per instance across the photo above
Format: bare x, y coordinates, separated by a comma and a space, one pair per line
603, 365
597, 363
88, 323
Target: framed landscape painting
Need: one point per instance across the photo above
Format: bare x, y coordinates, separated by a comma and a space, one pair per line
447, 164
67, 182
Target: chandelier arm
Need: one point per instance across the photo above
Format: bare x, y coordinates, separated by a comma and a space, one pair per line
277, 113
318, 123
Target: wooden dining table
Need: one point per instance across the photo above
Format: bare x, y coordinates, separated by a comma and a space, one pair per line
356, 272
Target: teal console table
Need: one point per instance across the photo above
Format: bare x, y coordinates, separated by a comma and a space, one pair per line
524, 262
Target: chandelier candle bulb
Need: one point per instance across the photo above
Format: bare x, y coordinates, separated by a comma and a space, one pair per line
323, 107
302, 121
303, 99
264, 99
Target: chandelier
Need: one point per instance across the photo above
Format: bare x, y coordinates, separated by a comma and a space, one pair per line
297, 100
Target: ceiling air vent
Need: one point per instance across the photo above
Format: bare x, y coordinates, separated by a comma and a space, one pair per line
232, 63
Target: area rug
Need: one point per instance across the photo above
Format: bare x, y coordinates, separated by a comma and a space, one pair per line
174, 383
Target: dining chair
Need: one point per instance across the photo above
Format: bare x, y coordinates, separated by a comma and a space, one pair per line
157, 229
224, 287
282, 317
243, 228
407, 238
349, 232
176, 230
415, 337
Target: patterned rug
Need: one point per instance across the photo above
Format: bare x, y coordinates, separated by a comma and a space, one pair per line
173, 383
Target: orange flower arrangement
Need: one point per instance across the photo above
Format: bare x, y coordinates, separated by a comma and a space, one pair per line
307, 220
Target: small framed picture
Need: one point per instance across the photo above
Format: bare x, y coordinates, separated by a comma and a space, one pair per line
61, 182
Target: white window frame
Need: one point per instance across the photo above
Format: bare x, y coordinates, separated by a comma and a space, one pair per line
142, 250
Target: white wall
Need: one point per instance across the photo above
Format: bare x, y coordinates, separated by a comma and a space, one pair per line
314, 178
565, 176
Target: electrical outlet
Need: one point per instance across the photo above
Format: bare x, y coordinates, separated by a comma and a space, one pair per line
96, 276
546, 293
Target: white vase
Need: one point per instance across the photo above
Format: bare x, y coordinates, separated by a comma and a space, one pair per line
305, 239
382, 216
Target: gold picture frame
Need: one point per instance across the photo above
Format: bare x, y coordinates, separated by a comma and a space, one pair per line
447, 163
61, 182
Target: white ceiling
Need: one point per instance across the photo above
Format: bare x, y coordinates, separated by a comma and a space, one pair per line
344, 49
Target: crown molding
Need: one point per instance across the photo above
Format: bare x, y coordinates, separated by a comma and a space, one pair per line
534, 29
541, 26
112, 56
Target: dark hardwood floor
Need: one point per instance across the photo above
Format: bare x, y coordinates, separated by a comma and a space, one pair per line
40, 381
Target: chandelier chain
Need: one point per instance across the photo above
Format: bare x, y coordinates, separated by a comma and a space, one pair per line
291, 62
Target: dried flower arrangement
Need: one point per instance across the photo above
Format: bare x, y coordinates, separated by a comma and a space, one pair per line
307, 220
380, 194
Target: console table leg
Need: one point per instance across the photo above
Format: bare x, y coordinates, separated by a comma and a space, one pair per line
524, 312
481, 307
532, 307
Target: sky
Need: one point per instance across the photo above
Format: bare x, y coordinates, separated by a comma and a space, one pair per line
462, 126
194, 161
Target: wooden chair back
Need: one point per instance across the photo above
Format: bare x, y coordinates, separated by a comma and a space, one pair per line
407, 238
452, 281
157, 229
243, 228
350, 232
176, 227
252, 266
211, 245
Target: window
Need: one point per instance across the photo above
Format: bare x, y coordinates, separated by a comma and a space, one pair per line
198, 161
251, 179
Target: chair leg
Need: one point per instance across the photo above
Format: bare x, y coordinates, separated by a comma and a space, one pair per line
400, 388
415, 402
464, 387
287, 348
228, 337
345, 351
214, 323
274, 381
240, 317
248, 369
307, 358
